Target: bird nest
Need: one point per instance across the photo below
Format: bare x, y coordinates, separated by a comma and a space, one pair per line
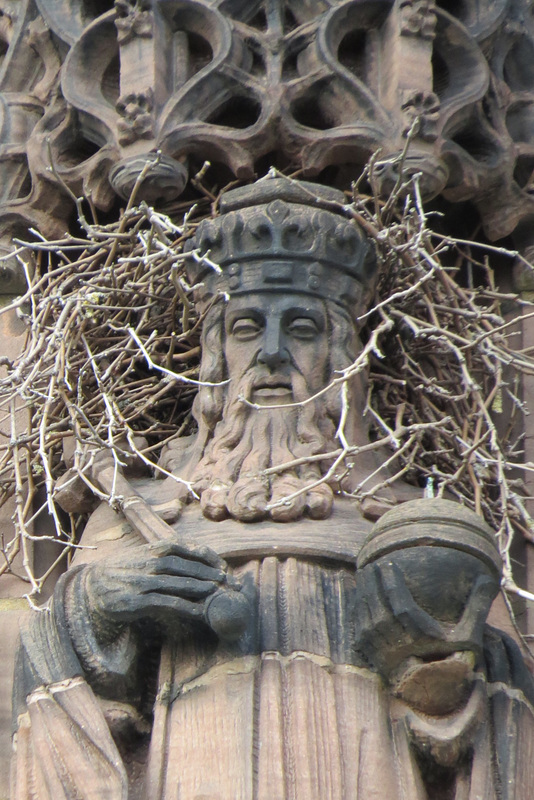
111, 361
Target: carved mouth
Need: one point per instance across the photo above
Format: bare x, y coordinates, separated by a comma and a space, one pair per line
272, 392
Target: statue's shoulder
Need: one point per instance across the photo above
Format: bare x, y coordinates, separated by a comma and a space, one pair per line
108, 533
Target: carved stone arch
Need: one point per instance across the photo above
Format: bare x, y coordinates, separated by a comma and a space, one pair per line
233, 82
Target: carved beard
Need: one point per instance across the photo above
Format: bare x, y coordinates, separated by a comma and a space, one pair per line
246, 441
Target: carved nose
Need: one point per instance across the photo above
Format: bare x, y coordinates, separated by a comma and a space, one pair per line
273, 354
273, 360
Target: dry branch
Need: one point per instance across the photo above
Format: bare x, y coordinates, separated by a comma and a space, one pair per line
111, 362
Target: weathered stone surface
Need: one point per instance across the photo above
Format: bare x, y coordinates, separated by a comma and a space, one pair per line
258, 648
250, 646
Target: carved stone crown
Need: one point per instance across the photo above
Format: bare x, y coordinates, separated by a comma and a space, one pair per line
278, 236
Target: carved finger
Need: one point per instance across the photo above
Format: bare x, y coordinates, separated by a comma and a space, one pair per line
470, 625
190, 552
175, 565
178, 586
166, 607
228, 614
412, 617
369, 600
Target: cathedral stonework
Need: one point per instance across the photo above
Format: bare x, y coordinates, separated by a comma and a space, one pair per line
251, 626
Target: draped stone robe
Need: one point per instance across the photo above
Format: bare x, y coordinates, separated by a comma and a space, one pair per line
286, 713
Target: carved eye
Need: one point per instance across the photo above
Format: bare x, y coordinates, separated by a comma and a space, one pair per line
244, 329
303, 328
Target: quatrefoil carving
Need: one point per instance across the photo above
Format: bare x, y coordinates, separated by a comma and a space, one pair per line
314, 84
311, 86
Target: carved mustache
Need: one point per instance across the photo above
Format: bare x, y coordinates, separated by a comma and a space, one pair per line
256, 377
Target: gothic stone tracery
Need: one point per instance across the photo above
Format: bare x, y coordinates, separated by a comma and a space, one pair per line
95, 88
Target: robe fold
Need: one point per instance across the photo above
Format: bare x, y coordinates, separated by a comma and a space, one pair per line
289, 712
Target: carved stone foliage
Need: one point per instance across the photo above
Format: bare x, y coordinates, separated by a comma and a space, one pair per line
92, 89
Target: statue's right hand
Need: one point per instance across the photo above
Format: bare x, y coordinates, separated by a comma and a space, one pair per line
164, 582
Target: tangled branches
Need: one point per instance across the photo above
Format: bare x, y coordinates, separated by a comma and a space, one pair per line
445, 379
111, 362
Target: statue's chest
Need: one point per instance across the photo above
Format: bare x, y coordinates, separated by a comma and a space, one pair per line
337, 538
273, 715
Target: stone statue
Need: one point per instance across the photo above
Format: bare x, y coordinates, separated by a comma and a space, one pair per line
244, 631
